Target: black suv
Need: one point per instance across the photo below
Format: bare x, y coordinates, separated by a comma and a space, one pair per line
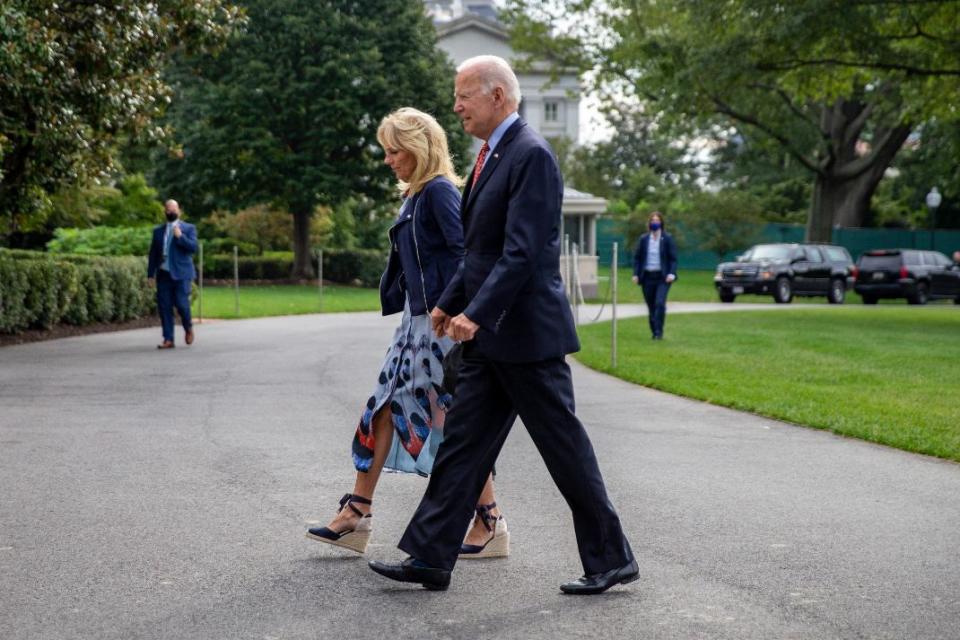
787, 270
916, 275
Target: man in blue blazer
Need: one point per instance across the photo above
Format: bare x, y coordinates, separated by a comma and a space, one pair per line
655, 269
507, 304
171, 263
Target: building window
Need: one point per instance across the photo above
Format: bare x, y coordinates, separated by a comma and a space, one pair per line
551, 112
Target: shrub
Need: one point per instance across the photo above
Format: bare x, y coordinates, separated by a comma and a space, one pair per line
354, 266
249, 268
39, 290
102, 241
260, 225
224, 246
348, 266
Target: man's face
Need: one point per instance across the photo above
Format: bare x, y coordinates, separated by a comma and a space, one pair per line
478, 112
171, 209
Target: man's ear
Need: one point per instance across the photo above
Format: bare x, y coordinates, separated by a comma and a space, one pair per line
499, 97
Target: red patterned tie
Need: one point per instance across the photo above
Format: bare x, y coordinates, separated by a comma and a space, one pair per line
480, 158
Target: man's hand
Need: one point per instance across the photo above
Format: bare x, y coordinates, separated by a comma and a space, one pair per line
439, 320
636, 280
152, 282
176, 230
670, 278
462, 328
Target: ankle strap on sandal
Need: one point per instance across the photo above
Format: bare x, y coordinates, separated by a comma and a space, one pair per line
347, 501
488, 519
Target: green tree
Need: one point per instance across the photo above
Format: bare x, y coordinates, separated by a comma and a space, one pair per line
268, 229
76, 78
838, 84
722, 222
288, 114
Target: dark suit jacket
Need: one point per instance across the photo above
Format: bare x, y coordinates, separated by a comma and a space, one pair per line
181, 252
509, 281
423, 256
668, 255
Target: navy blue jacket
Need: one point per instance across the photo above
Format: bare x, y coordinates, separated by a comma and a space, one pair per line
181, 252
509, 281
668, 255
426, 246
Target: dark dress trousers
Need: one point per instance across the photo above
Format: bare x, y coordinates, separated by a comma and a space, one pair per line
654, 283
173, 284
509, 283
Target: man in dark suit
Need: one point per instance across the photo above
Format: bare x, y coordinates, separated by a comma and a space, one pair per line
171, 263
507, 304
655, 269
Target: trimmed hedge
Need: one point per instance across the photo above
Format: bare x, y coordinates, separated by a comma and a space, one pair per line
354, 266
38, 291
347, 266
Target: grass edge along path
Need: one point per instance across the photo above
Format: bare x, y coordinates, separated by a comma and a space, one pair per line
886, 375
258, 301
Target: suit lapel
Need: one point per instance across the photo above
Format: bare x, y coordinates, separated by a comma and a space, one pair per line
490, 165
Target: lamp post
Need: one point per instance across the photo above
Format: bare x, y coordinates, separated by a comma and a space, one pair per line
933, 201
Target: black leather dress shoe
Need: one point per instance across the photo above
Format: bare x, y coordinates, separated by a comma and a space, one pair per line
600, 582
409, 571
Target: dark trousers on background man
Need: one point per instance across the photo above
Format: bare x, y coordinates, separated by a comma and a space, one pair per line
490, 396
173, 293
655, 288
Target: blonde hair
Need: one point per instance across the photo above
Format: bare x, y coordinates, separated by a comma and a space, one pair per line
419, 134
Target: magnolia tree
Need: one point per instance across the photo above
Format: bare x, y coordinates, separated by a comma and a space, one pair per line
79, 78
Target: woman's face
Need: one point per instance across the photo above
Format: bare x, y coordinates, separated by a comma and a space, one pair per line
401, 161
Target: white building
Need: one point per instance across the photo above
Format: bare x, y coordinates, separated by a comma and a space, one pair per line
467, 28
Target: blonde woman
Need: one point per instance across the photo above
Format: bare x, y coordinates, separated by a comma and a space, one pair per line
401, 424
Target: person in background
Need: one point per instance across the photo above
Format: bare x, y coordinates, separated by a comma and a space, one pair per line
170, 263
401, 424
956, 257
655, 269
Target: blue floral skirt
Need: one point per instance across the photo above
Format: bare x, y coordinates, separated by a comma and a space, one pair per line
410, 387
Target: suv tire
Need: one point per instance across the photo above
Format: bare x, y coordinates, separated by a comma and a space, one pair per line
726, 296
920, 295
838, 291
783, 290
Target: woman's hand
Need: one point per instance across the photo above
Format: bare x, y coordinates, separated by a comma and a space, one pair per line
439, 319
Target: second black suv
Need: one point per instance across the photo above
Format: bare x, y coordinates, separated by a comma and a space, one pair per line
787, 270
918, 276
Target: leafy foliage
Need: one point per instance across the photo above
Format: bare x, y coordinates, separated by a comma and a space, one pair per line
78, 77
102, 241
288, 114
260, 225
40, 291
837, 84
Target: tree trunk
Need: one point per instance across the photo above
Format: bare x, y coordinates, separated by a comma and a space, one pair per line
849, 175
839, 202
302, 255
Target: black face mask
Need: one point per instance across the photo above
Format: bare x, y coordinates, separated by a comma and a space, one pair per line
171, 217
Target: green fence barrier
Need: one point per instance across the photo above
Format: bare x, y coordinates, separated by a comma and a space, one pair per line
856, 241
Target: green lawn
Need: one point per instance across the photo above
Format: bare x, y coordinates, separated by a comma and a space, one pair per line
886, 374
697, 286
283, 300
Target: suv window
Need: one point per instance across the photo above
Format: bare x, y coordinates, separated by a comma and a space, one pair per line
836, 254
885, 262
938, 259
813, 254
767, 252
911, 257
